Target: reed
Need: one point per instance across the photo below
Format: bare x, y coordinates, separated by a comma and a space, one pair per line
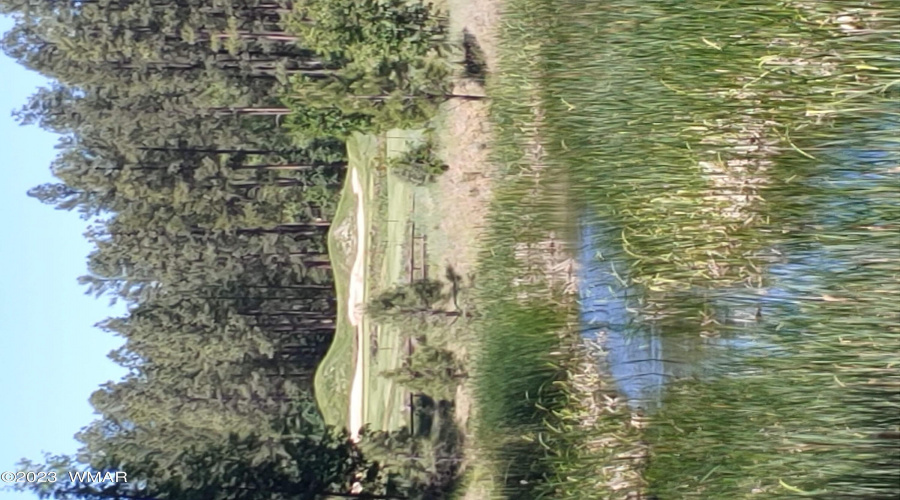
743, 155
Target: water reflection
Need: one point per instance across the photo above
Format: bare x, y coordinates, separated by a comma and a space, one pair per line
640, 358
642, 355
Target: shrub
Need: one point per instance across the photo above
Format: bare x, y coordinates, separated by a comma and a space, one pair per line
418, 166
430, 370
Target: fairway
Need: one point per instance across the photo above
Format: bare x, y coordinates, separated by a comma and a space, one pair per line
332, 380
388, 203
391, 202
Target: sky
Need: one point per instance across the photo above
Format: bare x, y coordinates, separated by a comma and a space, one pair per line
51, 356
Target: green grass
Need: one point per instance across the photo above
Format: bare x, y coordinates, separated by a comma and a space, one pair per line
386, 199
651, 92
335, 372
640, 100
527, 430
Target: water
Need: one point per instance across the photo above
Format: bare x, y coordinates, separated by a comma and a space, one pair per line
644, 356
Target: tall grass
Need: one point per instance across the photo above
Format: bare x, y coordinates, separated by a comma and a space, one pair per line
530, 408
744, 154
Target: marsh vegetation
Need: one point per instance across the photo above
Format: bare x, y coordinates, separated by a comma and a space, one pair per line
726, 179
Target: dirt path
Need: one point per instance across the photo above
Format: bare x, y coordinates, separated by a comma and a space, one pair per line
465, 188
355, 304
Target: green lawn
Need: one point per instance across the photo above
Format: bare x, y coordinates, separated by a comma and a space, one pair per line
391, 201
388, 203
335, 372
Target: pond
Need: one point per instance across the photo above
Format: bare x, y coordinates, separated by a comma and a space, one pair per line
644, 356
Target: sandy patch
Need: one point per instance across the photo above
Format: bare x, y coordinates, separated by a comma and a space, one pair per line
465, 188
355, 303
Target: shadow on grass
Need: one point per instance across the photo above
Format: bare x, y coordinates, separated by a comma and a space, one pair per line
474, 64
447, 441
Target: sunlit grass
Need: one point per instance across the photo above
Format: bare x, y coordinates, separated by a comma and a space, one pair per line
742, 152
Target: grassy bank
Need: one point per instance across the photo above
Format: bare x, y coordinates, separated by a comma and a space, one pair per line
737, 152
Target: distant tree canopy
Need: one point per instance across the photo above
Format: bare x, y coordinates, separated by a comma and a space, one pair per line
209, 219
389, 60
246, 467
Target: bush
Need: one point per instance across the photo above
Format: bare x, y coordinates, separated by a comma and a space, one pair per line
430, 370
418, 166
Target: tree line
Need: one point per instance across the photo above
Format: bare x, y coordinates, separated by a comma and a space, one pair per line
203, 140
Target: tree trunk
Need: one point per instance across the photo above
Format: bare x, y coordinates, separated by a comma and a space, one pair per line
252, 111
223, 150
265, 166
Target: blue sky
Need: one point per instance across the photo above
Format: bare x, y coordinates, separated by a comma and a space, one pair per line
51, 357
